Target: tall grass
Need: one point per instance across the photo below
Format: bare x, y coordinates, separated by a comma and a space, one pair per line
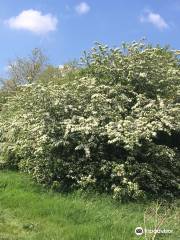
30, 212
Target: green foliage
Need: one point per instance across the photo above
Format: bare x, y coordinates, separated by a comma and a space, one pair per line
98, 129
25, 70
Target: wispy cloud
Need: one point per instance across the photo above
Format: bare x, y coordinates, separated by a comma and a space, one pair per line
154, 18
33, 21
82, 8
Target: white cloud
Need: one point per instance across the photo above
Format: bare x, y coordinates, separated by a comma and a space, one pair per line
155, 19
33, 21
82, 8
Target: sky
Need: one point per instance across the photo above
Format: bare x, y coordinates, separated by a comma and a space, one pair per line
63, 29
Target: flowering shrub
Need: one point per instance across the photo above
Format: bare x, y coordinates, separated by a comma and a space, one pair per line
100, 130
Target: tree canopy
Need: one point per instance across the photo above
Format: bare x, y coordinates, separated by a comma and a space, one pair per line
104, 129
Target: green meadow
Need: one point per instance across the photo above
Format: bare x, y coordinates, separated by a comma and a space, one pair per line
29, 211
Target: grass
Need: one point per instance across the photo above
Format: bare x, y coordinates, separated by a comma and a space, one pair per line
29, 212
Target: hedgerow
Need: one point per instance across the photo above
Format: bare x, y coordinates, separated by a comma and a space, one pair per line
101, 130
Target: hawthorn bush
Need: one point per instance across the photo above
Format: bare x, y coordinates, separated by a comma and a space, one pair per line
102, 130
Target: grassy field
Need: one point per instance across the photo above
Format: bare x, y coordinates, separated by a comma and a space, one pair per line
27, 211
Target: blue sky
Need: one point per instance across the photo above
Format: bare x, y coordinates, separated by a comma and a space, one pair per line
64, 28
